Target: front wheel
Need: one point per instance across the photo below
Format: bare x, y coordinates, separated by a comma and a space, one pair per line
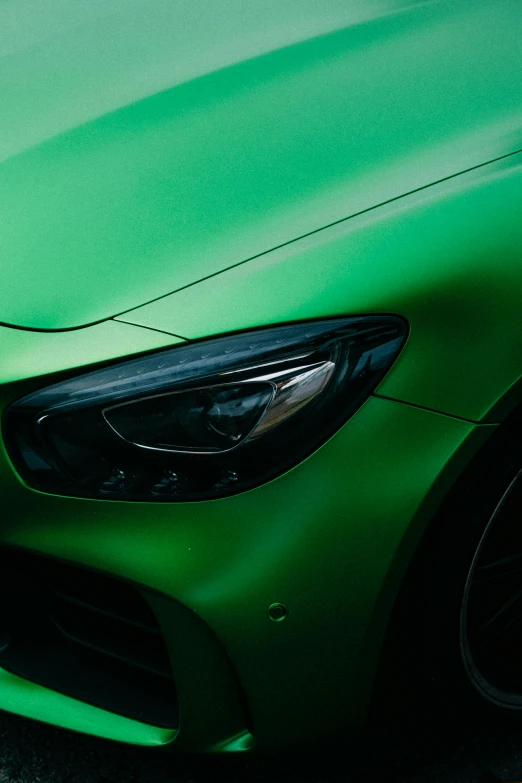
452, 661
491, 608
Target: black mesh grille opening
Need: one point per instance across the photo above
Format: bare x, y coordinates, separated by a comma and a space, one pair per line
86, 635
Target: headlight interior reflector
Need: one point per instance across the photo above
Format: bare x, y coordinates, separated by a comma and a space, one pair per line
201, 420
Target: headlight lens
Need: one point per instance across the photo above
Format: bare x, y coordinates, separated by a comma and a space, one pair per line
202, 420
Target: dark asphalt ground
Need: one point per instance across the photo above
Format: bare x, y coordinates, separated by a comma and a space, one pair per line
35, 753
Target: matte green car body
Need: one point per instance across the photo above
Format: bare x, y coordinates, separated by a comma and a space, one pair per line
172, 172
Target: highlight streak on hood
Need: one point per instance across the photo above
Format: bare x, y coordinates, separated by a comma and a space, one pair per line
145, 145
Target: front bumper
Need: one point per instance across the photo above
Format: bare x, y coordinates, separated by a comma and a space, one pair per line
330, 539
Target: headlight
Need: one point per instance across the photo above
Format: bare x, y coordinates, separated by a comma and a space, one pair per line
202, 420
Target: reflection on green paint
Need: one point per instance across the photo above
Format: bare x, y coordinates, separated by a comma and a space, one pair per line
34, 701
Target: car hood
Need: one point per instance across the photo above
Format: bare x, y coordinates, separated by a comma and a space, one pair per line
147, 145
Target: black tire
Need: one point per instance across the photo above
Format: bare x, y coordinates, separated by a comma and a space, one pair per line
427, 673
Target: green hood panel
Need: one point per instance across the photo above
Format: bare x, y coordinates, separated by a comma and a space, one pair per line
144, 146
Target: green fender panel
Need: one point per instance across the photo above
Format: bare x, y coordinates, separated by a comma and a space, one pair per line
330, 539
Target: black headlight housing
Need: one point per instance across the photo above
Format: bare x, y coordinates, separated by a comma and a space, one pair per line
201, 420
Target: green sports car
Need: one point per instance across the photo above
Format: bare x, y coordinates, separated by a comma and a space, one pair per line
260, 365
